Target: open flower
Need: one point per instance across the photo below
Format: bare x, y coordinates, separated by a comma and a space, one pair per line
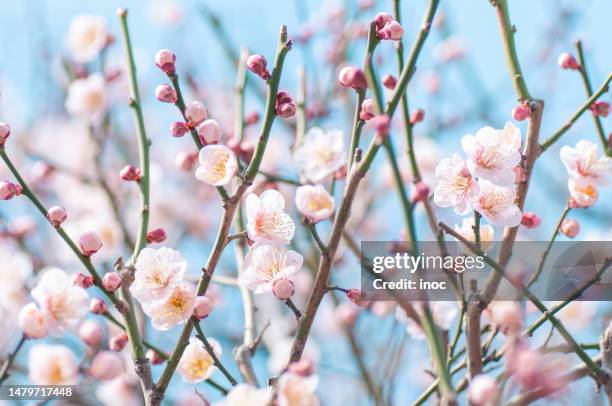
158, 272
497, 204
487, 233
196, 364
174, 310
218, 165
297, 390
87, 36
87, 97
52, 365
492, 154
63, 304
245, 394
266, 264
314, 202
584, 166
455, 186
321, 154
266, 219
582, 195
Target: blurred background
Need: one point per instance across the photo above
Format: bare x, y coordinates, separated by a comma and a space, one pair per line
461, 82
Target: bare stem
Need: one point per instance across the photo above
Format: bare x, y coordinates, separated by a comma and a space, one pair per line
8, 363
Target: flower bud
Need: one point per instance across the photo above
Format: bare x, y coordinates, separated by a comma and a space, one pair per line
154, 357
82, 280
32, 321
257, 64
166, 94
568, 61
106, 366
483, 390
368, 110
530, 220
389, 81
420, 192
382, 123
521, 112
91, 333
130, 174
210, 132
284, 105
251, 118
56, 215
178, 129
283, 289
186, 161
97, 306
156, 236
8, 190
357, 296
381, 19
417, 116
165, 60
392, 30
90, 243
202, 308
196, 113
304, 367
600, 108
118, 342
570, 228
111, 281
353, 77
5, 132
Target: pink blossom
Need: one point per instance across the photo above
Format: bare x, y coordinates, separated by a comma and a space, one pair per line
106, 365
295, 389
584, 166
497, 204
265, 264
508, 316
455, 186
266, 218
8, 190
56, 215
32, 321
52, 365
368, 110
210, 132
321, 154
196, 113
166, 94
581, 195
218, 165
178, 129
87, 36
314, 202
203, 307
165, 60
530, 220
158, 272
130, 174
196, 364
90, 243
157, 235
353, 77
87, 97
483, 390
175, 309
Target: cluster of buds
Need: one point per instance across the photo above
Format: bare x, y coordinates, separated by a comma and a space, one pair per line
521, 112
387, 28
568, 61
130, 173
156, 236
258, 65
353, 77
600, 108
284, 105
8, 190
5, 132
90, 243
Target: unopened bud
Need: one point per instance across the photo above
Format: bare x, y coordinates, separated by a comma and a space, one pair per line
521, 112
389, 81
91, 333
166, 94
530, 220
154, 357
8, 190
82, 280
202, 308
368, 110
568, 61
178, 129
353, 77
420, 192
196, 113
570, 228
600, 108
210, 132
97, 306
165, 60
283, 289
357, 296
257, 64
56, 215
5, 132
111, 281
284, 105
118, 342
417, 116
90, 243
156, 236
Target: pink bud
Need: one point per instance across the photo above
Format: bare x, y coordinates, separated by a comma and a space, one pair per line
91, 333
178, 129
357, 296
158, 235
90, 243
97, 306
82, 280
56, 215
284, 105
166, 94
165, 60
283, 289
483, 390
521, 112
5, 132
389, 81
106, 366
368, 110
417, 116
600, 108
8, 190
117, 342
382, 123
32, 321
353, 77
186, 161
304, 367
568, 61
508, 316
257, 64
420, 193
203, 307
111, 281
154, 357
530, 220
570, 228
196, 113
130, 174
251, 118
381, 19
392, 30
210, 132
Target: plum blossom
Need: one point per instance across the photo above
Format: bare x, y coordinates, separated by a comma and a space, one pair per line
87, 97
32, 321
314, 202
174, 310
245, 394
487, 233
196, 364
497, 204
483, 391
584, 166
158, 272
63, 304
321, 154
218, 165
444, 313
265, 264
52, 365
455, 186
297, 390
492, 154
16, 268
266, 219
582, 195
87, 36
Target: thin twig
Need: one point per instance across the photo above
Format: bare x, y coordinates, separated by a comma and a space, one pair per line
211, 351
